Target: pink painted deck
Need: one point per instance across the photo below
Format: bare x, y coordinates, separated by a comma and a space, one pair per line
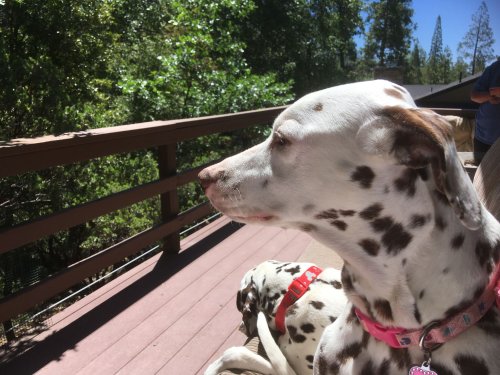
165, 316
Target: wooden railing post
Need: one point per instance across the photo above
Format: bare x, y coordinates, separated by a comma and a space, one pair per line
169, 201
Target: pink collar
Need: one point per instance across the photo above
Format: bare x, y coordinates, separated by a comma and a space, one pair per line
296, 289
436, 332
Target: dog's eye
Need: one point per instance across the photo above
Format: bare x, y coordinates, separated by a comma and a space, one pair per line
279, 141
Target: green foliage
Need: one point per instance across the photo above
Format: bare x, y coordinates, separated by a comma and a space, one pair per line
309, 42
390, 30
199, 68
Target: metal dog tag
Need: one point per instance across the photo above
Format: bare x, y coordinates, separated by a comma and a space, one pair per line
425, 369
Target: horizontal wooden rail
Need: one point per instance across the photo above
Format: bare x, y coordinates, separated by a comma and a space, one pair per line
29, 297
23, 234
22, 155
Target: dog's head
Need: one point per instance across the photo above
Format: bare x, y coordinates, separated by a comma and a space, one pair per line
336, 152
262, 289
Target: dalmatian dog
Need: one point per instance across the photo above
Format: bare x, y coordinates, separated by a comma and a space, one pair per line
367, 173
261, 292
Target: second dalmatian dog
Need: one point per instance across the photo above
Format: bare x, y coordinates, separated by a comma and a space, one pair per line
262, 291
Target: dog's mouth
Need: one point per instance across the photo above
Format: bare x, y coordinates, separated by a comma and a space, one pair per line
236, 210
253, 218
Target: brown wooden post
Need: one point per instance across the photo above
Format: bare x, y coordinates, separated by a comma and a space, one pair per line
169, 202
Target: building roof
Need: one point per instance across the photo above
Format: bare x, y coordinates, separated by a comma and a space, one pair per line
453, 95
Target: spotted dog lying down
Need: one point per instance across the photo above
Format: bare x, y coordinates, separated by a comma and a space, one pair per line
261, 292
367, 173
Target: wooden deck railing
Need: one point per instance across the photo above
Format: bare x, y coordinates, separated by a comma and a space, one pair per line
23, 155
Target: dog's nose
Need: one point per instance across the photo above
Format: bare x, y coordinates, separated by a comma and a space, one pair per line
211, 175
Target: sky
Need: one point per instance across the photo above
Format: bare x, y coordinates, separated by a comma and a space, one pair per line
456, 18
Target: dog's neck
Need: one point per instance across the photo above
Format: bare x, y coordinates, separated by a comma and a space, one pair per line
442, 268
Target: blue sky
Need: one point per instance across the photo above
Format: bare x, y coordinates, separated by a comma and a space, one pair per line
456, 17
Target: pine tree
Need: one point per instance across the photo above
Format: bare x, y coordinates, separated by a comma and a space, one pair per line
416, 64
437, 41
435, 54
389, 36
477, 43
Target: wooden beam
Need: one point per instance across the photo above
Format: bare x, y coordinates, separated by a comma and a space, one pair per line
169, 201
29, 297
22, 155
25, 233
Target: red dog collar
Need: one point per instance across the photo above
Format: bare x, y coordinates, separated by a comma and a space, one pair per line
296, 289
436, 332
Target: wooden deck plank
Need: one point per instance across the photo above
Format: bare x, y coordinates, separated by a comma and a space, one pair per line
201, 348
151, 318
183, 317
196, 282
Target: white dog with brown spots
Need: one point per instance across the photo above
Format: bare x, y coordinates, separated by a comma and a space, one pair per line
369, 174
262, 301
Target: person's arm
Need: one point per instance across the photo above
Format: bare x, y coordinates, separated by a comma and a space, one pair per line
480, 96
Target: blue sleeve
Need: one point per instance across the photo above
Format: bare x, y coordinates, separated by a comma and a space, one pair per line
483, 83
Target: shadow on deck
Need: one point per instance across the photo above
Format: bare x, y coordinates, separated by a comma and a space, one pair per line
166, 316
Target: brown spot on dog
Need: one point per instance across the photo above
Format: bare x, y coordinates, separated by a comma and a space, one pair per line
468, 364
394, 93
318, 305
396, 239
339, 224
417, 221
346, 279
307, 328
440, 223
371, 212
336, 284
371, 247
368, 368
416, 314
306, 227
347, 212
401, 358
421, 294
328, 214
383, 309
348, 352
441, 198
457, 241
310, 358
352, 317
318, 107
483, 251
382, 224
407, 182
364, 175
296, 337
489, 323
293, 270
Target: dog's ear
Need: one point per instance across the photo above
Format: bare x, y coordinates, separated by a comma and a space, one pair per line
419, 138
246, 302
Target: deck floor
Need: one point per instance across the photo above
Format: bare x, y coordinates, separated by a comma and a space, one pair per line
165, 316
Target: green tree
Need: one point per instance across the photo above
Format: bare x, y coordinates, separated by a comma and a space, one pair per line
310, 42
477, 44
75, 65
435, 55
390, 31
414, 74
